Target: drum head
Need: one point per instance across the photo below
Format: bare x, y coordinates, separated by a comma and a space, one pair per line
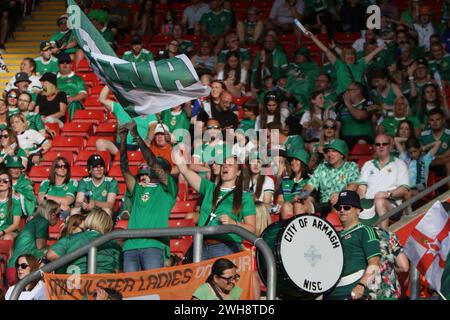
311, 254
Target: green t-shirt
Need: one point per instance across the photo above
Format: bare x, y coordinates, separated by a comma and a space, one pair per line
332, 180
352, 127
100, 192
34, 121
108, 255
360, 244
247, 124
389, 99
27, 198
36, 228
57, 36
243, 53
442, 66
151, 206
108, 35
19, 152
185, 46
308, 70
207, 153
143, 56
12, 111
216, 22
390, 124
46, 66
205, 292
142, 122
175, 120
226, 207
427, 137
6, 218
71, 84
66, 189
344, 77
290, 188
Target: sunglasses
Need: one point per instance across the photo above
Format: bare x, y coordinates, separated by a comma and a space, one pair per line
12, 96
65, 62
236, 278
384, 144
61, 166
345, 207
212, 127
4, 180
22, 266
4, 136
329, 127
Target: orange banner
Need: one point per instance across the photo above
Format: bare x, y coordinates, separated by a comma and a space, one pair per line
171, 283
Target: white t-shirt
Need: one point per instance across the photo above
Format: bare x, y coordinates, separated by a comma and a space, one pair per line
241, 152
282, 13
35, 85
312, 132
29, 140
268, 186
390, 177
38, 293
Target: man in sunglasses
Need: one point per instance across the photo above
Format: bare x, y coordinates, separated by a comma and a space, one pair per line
152, 198
71, 84
361, 250
97, 190
383, 179
64, 40
22, 186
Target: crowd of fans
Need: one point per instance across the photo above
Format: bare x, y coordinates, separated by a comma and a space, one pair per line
311, 103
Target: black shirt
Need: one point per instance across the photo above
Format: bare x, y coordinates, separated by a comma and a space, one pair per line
47, 108
225, 118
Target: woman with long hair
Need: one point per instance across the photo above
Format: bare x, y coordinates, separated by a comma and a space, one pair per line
73, 224
33, 237
9, 146
330, 131
221, 283
385, 90
24, 265
59, 186
405, 131
97, 223
431, 98
261, 185
31, 141
146, 22
291, 198
271, 112
10, 209
233, 75
226, 199
12, 98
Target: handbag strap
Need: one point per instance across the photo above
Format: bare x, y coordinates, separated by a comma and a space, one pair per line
213, 286
212, 214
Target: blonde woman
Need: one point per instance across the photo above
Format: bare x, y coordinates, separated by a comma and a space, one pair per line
330, 131
401, 112
97, 223
31, 141
51, 103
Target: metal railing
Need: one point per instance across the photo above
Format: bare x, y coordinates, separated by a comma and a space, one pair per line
197, 233
414, 273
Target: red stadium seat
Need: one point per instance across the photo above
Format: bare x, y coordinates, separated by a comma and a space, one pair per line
74, 144
92, 102
106, 129
79, 172
179, 6
287, 38
361, 149
161, 39
244, 5
5, 254
53, 129
181, 208
84, 155
90, 145
240, 101
89, 116
83, 67
333, 218
346, 38
50, 156
263, 5
122, 190
180, 246
182, 192
135, 158
116, 172
39, 173
194, 38
76, 129
180, 223
121, 224
90, 79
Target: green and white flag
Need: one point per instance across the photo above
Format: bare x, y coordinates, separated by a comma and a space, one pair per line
147, 87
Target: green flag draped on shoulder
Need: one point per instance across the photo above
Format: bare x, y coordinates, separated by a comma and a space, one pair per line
147, 87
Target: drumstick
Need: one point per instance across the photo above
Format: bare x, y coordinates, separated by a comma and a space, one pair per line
300, 26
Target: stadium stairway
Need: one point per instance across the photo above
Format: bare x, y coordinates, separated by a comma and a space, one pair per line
37, 27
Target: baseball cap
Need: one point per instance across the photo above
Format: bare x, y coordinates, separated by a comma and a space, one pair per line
94, 160
368, 214
50, 77
299, 154
136, 40
64, 57
45, 45
348, 197
338, 145
22, 76
62, 17
13, 162
161, 128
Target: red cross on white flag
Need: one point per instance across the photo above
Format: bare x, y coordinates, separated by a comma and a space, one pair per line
428, 245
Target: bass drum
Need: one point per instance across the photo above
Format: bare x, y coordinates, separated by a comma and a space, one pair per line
308, 256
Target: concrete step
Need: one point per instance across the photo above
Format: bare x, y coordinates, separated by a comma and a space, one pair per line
22, 50
22, 44
32, 34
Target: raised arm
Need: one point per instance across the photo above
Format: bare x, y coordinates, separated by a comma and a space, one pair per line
148, 155
103, 98
130, 180
191, 176
372, 55
330, 55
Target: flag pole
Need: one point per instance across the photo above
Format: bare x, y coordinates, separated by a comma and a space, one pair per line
442, 296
